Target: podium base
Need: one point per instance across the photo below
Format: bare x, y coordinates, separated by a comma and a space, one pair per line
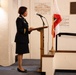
51, 52
39, 70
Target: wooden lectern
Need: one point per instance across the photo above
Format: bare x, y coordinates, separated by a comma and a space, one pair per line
41, 30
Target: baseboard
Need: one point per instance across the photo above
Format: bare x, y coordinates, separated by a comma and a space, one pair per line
42, 73
65, 71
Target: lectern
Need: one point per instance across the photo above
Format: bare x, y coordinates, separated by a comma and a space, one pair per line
41, 30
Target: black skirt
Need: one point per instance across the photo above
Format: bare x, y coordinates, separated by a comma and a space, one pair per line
22, 48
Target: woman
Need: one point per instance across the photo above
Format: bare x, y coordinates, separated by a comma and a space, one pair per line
21, 37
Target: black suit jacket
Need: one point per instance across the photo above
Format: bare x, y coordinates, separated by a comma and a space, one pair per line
21, 36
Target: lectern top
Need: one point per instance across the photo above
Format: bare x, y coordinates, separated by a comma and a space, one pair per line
38, 28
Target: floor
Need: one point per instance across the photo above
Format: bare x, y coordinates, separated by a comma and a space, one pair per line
32, 65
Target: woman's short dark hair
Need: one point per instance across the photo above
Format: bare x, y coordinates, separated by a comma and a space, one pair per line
22, 10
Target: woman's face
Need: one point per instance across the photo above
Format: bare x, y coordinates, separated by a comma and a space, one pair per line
25, 13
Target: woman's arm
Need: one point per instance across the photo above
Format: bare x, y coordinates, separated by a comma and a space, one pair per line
30, 29
19, 25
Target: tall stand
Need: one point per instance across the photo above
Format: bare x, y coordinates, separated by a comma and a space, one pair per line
41, 43
41, 30
41, 47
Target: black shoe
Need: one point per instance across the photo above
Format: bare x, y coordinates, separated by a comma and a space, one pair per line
25, 71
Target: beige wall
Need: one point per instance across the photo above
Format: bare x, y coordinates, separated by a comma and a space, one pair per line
8, 14
63, 61
62, 41
48, 65
35, 35
67, 42
8, 29
4, 52
12, 14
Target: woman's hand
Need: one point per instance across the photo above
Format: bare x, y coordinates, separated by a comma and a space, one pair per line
30, 29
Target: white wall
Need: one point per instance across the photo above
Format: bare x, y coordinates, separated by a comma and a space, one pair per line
13, 9
8, 29
4, 52
65, 61
35, 21
67, 42
8, 14
61, 61
62, 41
48, 65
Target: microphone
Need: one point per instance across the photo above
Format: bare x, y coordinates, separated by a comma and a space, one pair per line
40, 15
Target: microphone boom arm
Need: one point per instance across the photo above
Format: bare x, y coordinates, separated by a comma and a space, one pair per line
41, 18
42, 21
